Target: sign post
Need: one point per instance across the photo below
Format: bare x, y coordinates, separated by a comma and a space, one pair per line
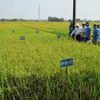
13, 31
58, 36
66, 63
74, 13
22, 37
37, 31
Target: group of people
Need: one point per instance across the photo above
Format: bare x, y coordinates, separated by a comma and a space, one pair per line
84, 33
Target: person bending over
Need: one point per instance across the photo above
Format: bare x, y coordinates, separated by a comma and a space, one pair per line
77, 32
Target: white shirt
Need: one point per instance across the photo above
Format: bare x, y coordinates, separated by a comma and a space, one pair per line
76, 31
83, 30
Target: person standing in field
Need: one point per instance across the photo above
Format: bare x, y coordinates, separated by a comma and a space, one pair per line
96, 35
77, 32
98, 26
83, 32
70, 28
88, 32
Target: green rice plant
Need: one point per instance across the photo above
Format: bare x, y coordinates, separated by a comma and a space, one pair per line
30, 69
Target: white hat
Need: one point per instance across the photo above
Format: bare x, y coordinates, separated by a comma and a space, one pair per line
77, 24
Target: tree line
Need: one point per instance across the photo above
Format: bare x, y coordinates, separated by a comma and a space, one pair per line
49, 19
55, 19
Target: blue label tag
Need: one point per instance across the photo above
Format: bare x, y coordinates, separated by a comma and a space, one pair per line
22, 37
37, 31
66, 62
58, 36
13, 31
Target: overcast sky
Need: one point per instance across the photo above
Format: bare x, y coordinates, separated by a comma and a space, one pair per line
28, 9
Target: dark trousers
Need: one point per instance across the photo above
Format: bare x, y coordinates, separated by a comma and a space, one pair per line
87, 39
78, 37
82, 39
73, 36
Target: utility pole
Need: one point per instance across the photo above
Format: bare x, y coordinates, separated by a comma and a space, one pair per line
38, 12
74, 13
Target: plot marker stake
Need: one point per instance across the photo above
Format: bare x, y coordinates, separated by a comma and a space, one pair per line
66, 63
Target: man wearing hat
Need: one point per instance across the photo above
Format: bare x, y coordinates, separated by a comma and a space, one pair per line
88, 31
77, 32
98, 26
96, 35
83, 32
70, 28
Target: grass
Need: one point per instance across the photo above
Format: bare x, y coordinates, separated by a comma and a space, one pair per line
30, 69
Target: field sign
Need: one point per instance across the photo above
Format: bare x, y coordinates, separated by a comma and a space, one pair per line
37, 31
13, 31
66, 62
58, 36
22, 37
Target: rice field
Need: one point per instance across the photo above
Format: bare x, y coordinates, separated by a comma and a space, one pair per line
30, 68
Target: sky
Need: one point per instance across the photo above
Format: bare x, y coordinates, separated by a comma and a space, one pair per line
28, 9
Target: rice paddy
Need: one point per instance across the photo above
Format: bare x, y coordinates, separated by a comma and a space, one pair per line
30, 68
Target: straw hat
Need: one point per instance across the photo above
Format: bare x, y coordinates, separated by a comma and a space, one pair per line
77, 25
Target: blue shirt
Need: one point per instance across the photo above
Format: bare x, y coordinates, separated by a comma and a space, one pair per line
99, 30
70, 29
88, 31
95, 32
